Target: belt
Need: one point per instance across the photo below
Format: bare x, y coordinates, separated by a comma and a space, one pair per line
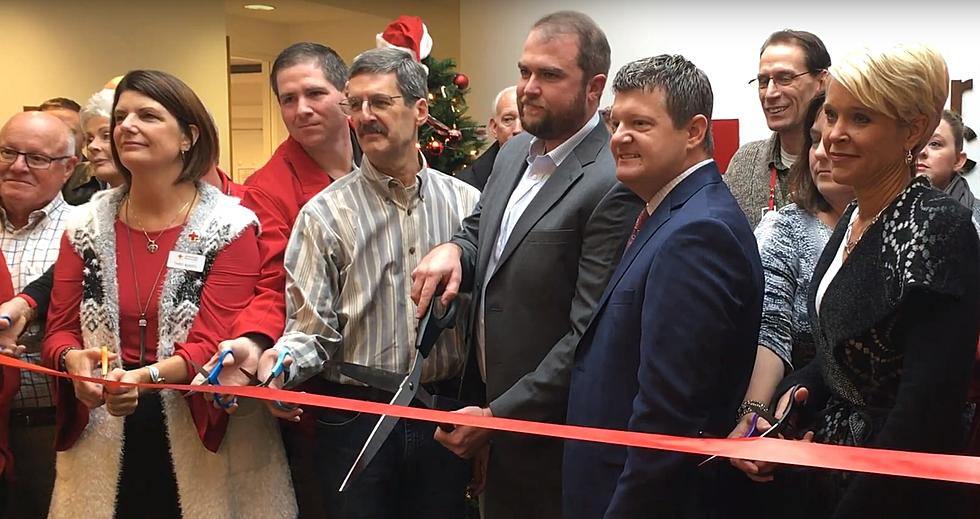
322, 386
32, 416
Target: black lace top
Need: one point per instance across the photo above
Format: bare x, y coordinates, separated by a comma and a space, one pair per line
896, 337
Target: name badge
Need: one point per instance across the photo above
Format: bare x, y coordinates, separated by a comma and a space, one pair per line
186, 261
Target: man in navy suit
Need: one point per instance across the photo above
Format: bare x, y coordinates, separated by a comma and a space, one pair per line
671, 346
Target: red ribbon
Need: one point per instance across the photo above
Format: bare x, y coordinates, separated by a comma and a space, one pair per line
946, 467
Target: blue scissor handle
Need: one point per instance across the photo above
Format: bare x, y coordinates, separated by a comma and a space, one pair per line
279, 366
277, 370
213, 378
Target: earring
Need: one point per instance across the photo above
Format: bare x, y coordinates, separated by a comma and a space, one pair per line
909, 158
182, 155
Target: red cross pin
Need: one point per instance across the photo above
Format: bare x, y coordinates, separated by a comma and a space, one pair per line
193, 236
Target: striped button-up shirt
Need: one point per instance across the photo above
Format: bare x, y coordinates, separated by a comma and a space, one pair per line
29, 251
348, 273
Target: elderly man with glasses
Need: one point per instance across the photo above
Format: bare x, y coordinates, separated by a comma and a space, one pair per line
504, 124
37, 155
792, 70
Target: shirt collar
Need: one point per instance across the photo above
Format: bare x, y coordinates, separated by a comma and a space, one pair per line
391, 188
308, 172
658, 198
563, 150
37, 215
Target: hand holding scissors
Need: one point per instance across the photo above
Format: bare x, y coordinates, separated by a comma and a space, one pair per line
280, 368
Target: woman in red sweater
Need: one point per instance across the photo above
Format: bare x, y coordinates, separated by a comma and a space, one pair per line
156, 271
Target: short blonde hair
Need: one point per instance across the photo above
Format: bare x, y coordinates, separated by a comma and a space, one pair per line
902, 82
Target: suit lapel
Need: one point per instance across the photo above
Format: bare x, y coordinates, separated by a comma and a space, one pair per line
508, 170
563, 178
707, 174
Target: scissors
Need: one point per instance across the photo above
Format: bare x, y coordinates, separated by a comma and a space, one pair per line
211, 378
277, 369
781, 425
408, 389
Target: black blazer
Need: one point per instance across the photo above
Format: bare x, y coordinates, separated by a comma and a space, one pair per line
550, 275
896, 337
477, 173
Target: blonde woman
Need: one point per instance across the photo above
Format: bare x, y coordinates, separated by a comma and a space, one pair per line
894, 296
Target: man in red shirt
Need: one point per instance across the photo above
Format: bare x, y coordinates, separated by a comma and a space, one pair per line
308, 80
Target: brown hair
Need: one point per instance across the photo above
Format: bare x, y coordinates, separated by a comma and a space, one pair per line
803, 192
184, 105
956, 127
593, 48
817, 57
59, 103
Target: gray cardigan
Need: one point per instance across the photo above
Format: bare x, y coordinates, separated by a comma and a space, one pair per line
748, 177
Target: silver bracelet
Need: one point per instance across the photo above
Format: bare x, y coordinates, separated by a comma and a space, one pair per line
155, 375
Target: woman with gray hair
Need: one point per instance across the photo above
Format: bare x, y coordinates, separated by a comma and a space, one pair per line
97, 146
894, 297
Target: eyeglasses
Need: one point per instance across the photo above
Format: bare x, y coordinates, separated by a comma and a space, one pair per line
782, 79
377, 102
33, 160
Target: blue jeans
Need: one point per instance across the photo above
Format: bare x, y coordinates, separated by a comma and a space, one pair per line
412, 476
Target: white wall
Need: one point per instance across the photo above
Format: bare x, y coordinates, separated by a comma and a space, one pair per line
723, 39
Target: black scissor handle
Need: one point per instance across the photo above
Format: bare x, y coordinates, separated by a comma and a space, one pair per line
432, 325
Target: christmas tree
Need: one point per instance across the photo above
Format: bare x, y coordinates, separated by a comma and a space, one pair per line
450, 142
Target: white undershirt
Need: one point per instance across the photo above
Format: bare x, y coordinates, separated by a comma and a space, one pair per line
788, 159
834, 266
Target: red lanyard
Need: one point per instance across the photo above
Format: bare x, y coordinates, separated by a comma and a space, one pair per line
772, 188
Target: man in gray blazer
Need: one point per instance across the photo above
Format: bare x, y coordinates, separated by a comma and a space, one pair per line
536, 253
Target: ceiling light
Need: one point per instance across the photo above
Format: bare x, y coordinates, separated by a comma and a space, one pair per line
259, 7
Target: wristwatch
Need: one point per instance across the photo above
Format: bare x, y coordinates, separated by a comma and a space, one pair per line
61, 358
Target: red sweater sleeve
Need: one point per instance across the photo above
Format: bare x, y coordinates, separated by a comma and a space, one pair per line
9, 381
266, 314
63, 328
229, 285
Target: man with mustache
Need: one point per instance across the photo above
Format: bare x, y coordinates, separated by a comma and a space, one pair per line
536, 255
792, 70
348, 298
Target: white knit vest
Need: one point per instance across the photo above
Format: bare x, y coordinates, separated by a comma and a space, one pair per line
248, 476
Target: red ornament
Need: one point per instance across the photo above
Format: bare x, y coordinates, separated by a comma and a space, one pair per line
455, 135
193, 236
461, 81
434, 147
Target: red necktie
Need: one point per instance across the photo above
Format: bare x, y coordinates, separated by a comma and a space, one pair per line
640, 220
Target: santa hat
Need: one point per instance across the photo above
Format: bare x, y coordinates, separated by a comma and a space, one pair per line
409, 34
